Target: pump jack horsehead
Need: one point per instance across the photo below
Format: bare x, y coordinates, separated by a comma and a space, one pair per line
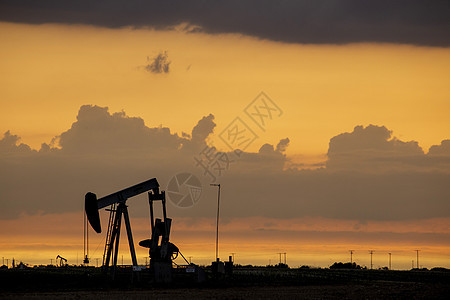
161, 251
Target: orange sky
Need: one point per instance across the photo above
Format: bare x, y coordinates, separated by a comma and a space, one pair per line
307, 241
51, 70
48, 71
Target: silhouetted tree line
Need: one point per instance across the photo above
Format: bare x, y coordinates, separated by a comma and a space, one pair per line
340, 265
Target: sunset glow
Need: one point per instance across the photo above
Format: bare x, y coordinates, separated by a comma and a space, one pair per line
357, 159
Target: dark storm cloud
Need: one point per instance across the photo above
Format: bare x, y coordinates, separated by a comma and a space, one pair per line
369, 175
421, 22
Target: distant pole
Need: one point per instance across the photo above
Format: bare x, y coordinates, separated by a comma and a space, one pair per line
285, 258
270, 262
3, 259
190, 258
351, 256
390, 267
280, 256
412, 264
417, 251
371, 254
232, 255
7, 261
51, 261
217, 225
122, 259
96, 262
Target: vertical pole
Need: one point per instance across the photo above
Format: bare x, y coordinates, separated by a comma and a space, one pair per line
351, 257
166, 222
417, 251
129, 234
116, 247
217, 225
371, 264
390, 266
114, 235
150, 202
84, 234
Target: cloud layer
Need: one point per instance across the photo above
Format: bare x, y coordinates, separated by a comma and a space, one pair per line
420, 22
369, 175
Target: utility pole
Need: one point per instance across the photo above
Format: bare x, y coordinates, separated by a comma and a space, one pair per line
371, 253
232, 255
285, 258
390, 267
96, 262
51, 261
217, 226
351, 257
280, 256
417, 251
7, 262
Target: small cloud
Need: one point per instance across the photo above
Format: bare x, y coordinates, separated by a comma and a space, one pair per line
158, 64
282, 145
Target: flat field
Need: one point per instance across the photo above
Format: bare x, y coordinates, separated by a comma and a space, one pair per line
251, 283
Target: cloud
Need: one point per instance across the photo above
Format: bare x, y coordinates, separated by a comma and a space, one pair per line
369, 175
10, 143
282, 145
203, 129
159, 64
374, 148
98, 131
417, 22
442, 149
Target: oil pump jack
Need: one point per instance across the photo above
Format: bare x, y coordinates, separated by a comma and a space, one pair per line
161, 251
